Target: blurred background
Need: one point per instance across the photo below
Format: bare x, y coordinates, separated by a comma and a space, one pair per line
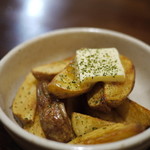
21, 20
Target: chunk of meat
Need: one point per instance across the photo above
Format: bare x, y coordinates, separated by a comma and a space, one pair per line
53, 117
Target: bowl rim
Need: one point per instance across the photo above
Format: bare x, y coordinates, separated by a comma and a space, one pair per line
10, 125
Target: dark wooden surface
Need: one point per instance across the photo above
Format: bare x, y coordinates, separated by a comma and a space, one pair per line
21, 20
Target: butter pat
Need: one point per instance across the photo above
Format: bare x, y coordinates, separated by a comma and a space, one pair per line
94, 65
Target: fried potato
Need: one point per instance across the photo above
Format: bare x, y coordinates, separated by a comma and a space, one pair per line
48, 71
108, 134
83, 124
112, 116
111, 94
24, 104
131, 112
96, 99
35, 127
116, 92
66, 84
128, 112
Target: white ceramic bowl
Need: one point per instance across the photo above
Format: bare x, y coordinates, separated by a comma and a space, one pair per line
61, 44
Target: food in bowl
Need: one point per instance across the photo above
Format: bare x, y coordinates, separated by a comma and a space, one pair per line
65, 102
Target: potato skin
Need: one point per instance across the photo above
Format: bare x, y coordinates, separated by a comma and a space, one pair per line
53, 117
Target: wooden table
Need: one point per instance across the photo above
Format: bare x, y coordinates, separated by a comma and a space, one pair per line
21, 20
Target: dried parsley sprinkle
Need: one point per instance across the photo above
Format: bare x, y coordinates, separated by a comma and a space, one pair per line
73, 81
94, 128
68, 87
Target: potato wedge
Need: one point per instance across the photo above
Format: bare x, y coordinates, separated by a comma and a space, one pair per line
112, 116
24, 104
116, 92
48, 71
111, 94
96, 99
66, 84
108, 134
35, 127
83, 124
131, 112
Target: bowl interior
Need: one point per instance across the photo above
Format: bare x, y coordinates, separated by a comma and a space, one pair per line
59, 45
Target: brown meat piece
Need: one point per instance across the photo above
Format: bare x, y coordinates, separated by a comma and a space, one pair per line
53, 117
